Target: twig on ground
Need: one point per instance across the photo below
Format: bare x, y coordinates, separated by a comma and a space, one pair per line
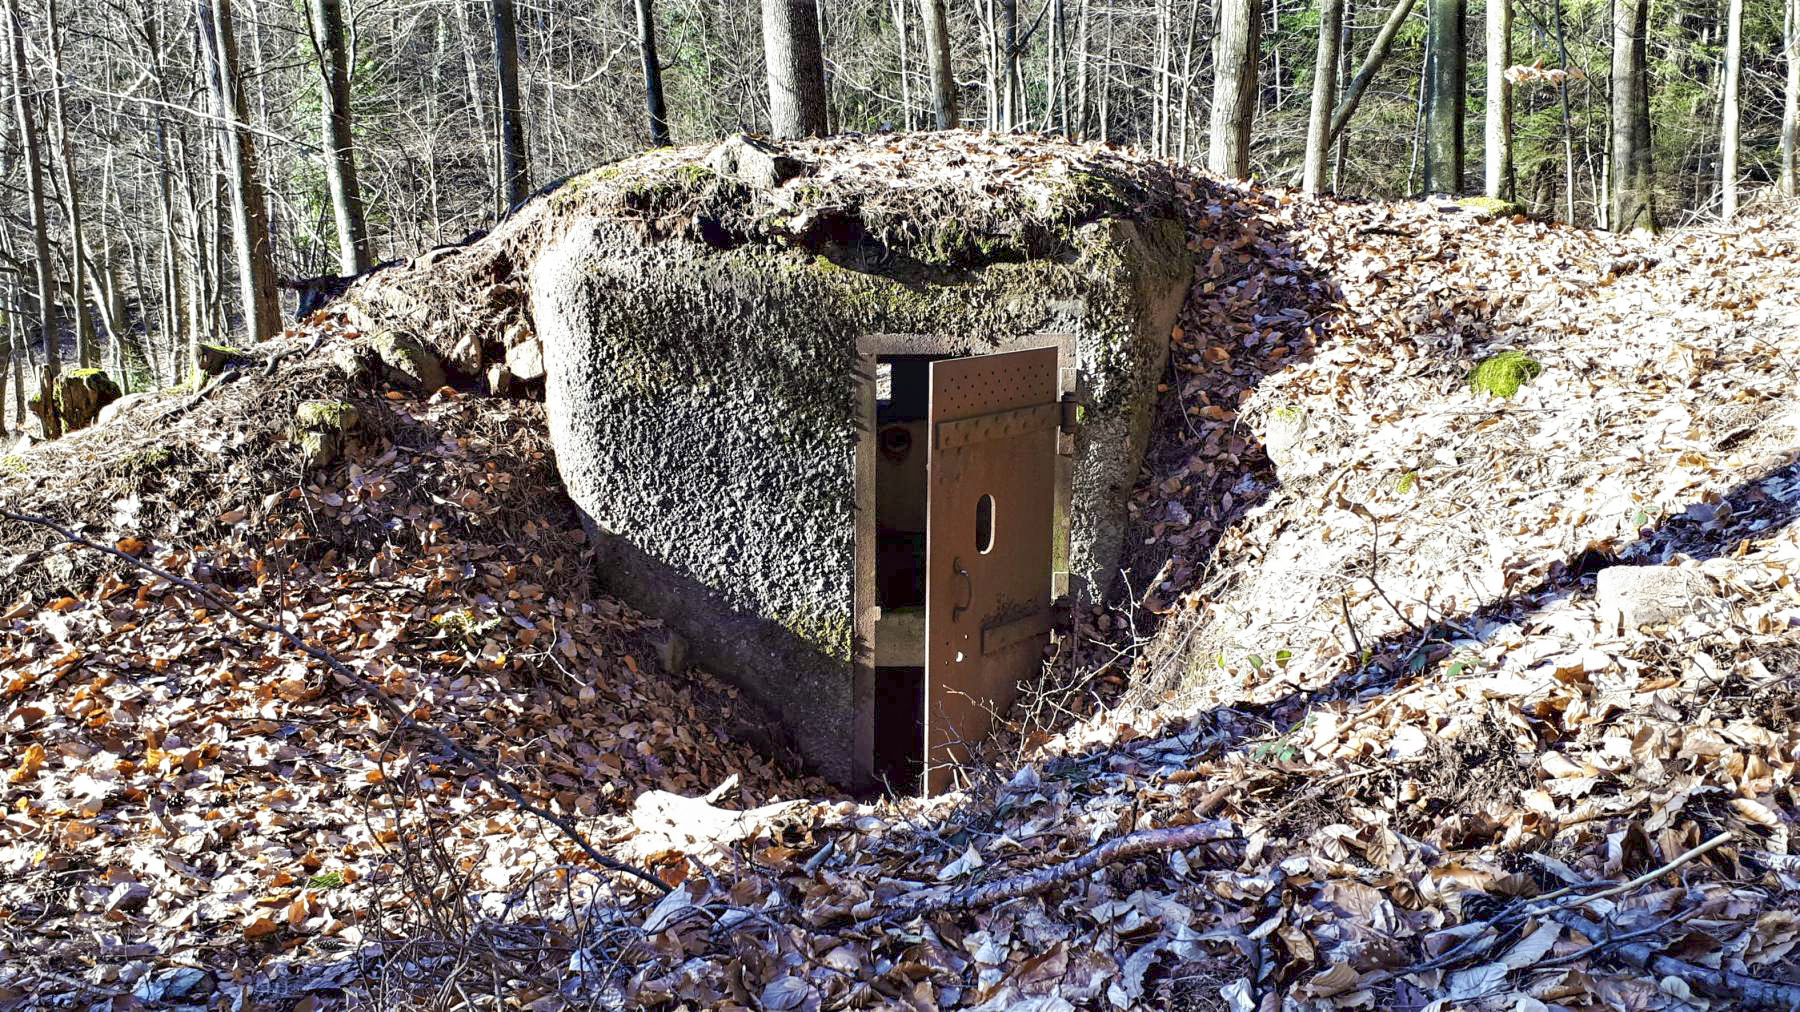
1647, 877
1039, 880
1743, 991
355, 681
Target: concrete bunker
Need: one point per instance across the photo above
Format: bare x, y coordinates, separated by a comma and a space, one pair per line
851, 469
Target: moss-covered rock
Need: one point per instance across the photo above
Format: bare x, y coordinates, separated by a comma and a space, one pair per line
321, 428
327, 416
1501, 375
318, 450
1491, 207
212, 359
78, 396
407, 362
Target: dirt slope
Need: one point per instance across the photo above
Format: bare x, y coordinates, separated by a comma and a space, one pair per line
1371, 667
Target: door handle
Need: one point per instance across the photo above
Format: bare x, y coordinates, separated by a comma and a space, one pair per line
956, 610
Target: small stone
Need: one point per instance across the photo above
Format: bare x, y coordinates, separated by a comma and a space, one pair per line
118, 407
755, 162
355, 361
516, 333
213, 358
327, 416
526, 361
407, 361
317, 449
1649, 595
671, 649
499, 381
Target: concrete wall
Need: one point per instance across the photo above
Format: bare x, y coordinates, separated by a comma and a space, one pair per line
701, 402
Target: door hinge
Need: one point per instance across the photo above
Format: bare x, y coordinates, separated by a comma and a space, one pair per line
1071, 413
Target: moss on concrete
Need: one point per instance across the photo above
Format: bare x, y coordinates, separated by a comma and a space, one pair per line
1501, 375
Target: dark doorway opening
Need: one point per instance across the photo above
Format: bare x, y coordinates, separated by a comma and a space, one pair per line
902, 404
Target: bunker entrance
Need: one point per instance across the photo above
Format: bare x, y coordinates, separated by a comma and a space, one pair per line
964, 464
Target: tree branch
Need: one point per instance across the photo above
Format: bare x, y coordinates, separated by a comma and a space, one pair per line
1039, 880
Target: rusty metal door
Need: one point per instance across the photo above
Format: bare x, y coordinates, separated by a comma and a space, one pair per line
989, 521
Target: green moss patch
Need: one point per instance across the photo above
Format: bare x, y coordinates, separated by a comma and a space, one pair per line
326, 416
1502, 375
1491, 207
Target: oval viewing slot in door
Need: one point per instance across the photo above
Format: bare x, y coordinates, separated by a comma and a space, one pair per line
984, 525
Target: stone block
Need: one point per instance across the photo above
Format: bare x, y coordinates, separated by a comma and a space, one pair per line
1649, 595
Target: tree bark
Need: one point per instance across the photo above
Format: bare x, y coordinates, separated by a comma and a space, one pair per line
1371, 65
1346, 48
937, 57
1324, 91
796, 68
1632, 176
249, 212
653, 88
40, 234
1009, 63
1446, 95
515, 173
1789, 174
1235, 52
1568, 129
1731, 117
329, 46
1497, 142
82, 318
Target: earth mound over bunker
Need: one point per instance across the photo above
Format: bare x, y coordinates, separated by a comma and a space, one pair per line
714, 323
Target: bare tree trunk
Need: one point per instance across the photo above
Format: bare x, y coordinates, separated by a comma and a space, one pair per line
329, 46
40, 234
1632, 176
1235, 52
249, 213
1081, 72
903, 35
1497, 143
1568, 129
796, 67
1187, 80
1324, 90
937, 57
1105, 111
85, 355
1341, 143
1731, 117
515, 173
653, 88
1009, 63
1371, 65
1446, 94
1789, 174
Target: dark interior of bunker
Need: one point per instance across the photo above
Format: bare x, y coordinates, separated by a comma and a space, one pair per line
902, 400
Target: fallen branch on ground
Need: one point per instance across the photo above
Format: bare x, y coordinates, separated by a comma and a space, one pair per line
355, 681
1742, 991
1039, 880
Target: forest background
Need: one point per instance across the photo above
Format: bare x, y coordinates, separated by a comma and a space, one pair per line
175, 172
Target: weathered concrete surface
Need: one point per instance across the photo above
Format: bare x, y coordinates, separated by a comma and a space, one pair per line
699, 363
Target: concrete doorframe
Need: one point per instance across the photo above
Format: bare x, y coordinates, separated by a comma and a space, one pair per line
870, 348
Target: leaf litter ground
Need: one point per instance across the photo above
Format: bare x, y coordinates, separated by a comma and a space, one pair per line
1371, 649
